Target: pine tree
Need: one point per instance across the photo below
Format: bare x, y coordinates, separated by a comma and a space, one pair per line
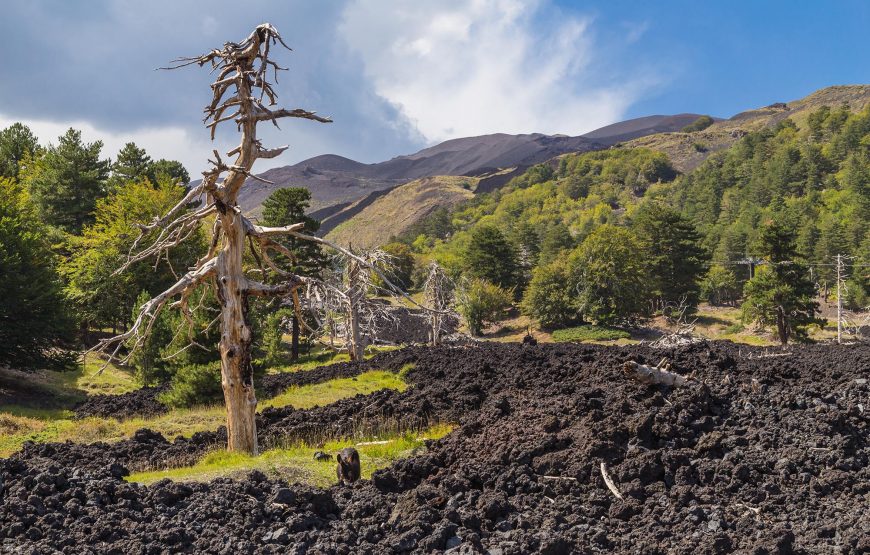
676, 260
491, 257
286, 207
67, 180
32, 317
782, 293
132, 164
16, 143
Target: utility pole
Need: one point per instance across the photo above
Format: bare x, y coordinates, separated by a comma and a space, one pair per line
839, 300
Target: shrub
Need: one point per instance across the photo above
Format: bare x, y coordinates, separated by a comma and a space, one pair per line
194, 384
549, 299
589, 333
699, 124
481, 302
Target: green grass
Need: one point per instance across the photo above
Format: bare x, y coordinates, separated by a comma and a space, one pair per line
20, 424
295, 463
726, 323
111, 381
589, 333
320, 356
307, 396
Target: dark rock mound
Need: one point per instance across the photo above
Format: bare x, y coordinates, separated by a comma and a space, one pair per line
141, 402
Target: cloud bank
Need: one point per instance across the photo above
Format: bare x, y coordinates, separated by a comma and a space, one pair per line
458, 69
395, 76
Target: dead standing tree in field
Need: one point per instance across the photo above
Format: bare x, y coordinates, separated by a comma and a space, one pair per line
438, 292
343, 305
239, 92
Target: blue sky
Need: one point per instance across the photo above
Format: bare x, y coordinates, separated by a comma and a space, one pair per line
399, 75
732, 55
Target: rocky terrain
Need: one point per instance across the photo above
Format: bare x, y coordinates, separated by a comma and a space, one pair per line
760, 452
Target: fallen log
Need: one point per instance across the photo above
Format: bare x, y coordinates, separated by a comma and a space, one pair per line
653, 374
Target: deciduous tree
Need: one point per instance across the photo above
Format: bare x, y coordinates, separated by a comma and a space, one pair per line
609, 275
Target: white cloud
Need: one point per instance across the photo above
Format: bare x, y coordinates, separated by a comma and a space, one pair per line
468, 68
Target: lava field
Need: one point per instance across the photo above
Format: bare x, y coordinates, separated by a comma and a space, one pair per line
755, 454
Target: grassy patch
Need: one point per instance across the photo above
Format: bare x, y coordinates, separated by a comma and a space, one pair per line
111, 381
20, 424
406, 369
320, 356
307, 396
589, 333
725, 323
295, 463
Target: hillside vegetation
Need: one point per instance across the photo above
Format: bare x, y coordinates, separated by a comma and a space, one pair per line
796, 193
687, 150
395, 212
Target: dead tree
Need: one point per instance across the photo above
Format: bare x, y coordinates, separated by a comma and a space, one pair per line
362, 316
438, 292
347, 315
239, 91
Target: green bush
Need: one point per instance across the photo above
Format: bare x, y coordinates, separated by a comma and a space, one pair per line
699, 124
195, 384
549, 299
589, 333
481, 302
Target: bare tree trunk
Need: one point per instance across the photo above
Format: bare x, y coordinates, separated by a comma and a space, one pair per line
238, 96
781, 326
237, 375
355, 297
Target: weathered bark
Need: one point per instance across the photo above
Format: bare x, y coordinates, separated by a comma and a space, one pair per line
355, 296
294, 338
237, 375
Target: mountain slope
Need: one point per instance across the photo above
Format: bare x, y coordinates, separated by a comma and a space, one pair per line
393, 213
335, 180
687, 150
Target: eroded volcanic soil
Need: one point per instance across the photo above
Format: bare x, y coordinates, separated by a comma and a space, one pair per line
755, 455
